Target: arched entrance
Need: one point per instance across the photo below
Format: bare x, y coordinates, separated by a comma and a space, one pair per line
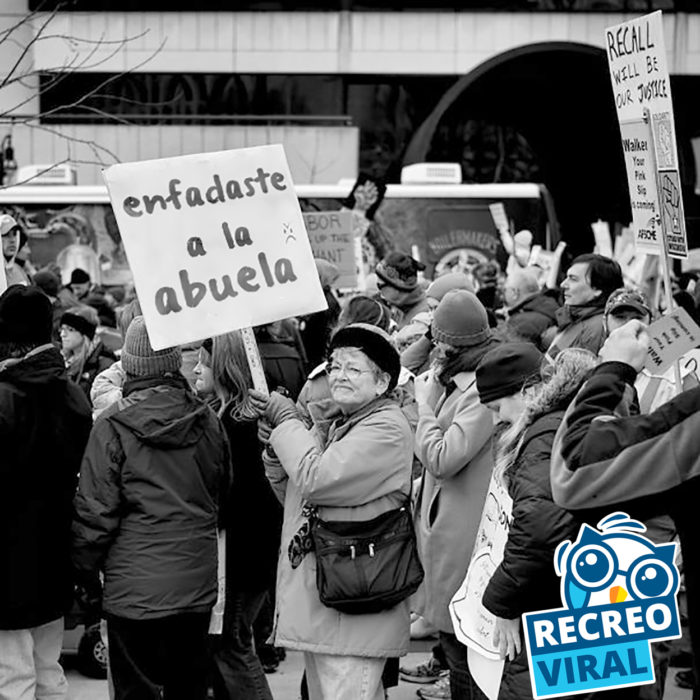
558, 96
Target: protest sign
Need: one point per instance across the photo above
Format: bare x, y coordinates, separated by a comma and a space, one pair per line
603, 239
331, 239
500, 218
473, 624
641, 181
216, 242
641, 84
671, 337
672, 215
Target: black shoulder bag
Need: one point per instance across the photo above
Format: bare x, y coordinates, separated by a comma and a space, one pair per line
368, 566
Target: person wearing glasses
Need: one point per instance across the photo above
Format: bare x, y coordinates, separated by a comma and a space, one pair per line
360, 471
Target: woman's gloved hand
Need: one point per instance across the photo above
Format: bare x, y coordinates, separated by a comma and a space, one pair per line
279, 409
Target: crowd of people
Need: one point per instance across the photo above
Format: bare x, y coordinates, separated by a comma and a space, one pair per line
123, 467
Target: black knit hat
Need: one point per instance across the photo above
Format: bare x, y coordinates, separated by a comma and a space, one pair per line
400, 271
375, 343
79, 276
79, 323
25, 316
504, 370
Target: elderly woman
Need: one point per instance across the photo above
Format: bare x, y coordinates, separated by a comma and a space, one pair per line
361, 470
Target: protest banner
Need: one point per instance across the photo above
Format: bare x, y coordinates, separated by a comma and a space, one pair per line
671, 337
642, 86
473, 624
216, 242
331, 238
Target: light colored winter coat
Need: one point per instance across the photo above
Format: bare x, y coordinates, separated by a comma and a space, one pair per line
453, 442
107, 388
364, 470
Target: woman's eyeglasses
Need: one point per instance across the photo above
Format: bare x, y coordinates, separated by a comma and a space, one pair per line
351, 373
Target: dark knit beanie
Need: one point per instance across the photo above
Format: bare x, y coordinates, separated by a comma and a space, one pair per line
47, 282
25, 316
400, 271
79, 323
79, 276
375, 343
504, 370
139, 359
460, 320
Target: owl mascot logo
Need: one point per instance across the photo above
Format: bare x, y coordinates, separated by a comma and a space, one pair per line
619, 591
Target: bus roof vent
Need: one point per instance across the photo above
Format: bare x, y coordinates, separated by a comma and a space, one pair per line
46, 175
432, 174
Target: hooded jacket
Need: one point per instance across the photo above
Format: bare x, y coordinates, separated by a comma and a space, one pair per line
644, 465
530, 318
44, 426
525, 580
155, 471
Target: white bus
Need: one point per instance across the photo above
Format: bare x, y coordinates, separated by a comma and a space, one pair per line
445, 222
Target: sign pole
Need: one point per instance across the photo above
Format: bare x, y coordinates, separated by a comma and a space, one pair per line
663, 258
254, 362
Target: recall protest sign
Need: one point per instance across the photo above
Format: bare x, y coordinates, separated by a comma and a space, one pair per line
216, 242
331, 239
671, 337
641, 82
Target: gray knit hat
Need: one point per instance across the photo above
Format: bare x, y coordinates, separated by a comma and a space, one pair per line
460, 320
139, 359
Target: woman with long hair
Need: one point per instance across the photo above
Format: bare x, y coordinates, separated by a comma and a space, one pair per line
253, 520
84, 354
525, 580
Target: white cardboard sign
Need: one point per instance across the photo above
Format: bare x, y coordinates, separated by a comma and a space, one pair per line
473, 623
641, 181
331, 238
215, 241
640, 79
671, 337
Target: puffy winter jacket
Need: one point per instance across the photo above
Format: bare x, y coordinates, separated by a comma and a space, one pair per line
525, 580
155, 470
44, 426
363, 470
529, 319
107, 388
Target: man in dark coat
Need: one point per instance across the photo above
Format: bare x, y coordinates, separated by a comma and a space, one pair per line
155, 472
44, 424
530, 311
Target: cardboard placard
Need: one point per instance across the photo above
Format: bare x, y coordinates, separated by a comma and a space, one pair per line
672, 214
603, 239
331, 239
500, 218
641, 81
641, 181
671, 337
215, 241
473, 623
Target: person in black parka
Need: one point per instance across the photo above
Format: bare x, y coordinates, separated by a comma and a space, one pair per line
525, 580
44, 425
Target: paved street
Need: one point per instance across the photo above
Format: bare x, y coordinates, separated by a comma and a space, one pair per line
285, 683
